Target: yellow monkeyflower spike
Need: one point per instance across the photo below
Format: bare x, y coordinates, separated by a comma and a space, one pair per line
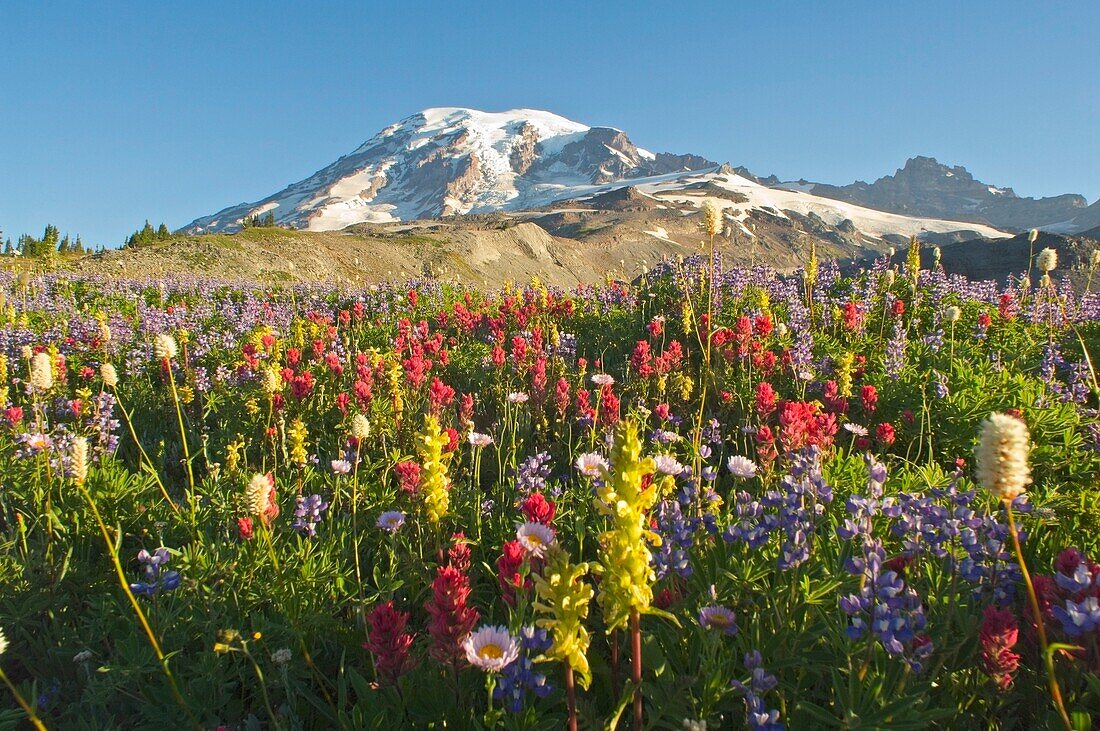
912, 258
434, 482
563, 593
844, 366
296, 435
625, 497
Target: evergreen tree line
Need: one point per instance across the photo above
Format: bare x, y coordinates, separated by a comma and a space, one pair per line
51, 241
148, 235
257, 221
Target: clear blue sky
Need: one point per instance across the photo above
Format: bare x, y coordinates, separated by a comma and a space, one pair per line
114, 112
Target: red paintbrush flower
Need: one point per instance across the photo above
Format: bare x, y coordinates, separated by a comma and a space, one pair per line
999, 633
452, 618
388, 641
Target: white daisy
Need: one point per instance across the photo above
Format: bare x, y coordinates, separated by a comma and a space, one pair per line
491, 648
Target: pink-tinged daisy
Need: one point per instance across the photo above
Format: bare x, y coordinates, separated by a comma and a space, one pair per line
602, 379
480, 441
535, 537
341, 466
491, 648
591, 464
667, 464
391, 520
742, 467
858, 429
517, 397
718, 618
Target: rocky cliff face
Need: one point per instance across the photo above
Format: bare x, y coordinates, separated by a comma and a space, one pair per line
925, 187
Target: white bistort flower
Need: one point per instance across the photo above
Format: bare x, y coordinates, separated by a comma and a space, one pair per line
41, 372
257, 495
164, 346
1047, 261
1002, 456
109, 375
78, 459
360, 427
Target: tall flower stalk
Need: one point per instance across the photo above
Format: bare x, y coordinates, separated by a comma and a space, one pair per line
1002, 468
627, 494
563, 594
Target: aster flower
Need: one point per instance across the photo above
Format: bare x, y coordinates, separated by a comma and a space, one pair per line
718, 618
1002, 456
479, 441
591, 464
857, 429
341, 466
602, 379
491, 648
391, 520
535, 538
517, 397
667, 464
742, 467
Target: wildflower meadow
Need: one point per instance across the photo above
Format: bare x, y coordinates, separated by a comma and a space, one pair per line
709, 498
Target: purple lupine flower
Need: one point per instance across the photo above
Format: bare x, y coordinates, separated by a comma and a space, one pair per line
156, 580
520, 677
307, 514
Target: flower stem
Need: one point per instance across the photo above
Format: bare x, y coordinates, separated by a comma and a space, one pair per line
137, 607
1048, 658
31, 715
636, 665
571, 697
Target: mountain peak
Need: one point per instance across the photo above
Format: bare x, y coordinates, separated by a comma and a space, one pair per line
926, 187
452, 160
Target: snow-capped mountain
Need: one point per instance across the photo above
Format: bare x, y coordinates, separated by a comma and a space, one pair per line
450, 160
926, 187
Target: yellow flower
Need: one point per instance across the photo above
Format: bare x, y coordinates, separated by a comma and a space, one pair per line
434, 483
563, 593
296, 436
844, 374
624, 549
233, 454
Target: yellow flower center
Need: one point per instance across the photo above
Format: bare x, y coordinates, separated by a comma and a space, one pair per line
491, 651
533, 539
